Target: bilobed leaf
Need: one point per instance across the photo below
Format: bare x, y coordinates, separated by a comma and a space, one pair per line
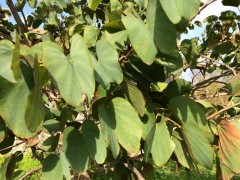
106, 68
14, 98
51, 143
52, 168
3, 169
117, 118
143, 45
229, 144
6, 54
75, 149
94, 141
135, 97
72, 76
90, 35
189, 50
161, 27
159, 144
198, 145
35, 110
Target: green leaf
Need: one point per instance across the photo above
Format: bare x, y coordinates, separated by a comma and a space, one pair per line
53, 20
143, 45
117, 40
65, 166
90, 35
93, 4
32, 3
52, 168
229, 144
189, 50
234, 85
35, 108
177, 87
134, 96
113, 26
3, 169
178, 9
14, 98
75, 149
107, 69
51, 143
52, 126
94, 141
74, 75
7, 143
235, 3
116, 118
2, 130
161, 27
148, 120
181, 150
6, 54
198, 145
188, 111
159, 144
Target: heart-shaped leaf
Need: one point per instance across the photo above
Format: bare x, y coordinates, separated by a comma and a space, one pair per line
107, 69
72, 75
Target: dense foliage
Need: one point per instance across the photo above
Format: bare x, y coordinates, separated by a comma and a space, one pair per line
101, 81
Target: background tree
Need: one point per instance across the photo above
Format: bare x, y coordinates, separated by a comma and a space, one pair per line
95, 81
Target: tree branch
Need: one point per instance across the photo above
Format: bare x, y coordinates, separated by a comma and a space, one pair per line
203, 7
15, 145
30, 172
16, 16
134, 170
222, 110
221, 63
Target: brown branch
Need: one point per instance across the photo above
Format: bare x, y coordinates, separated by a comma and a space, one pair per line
203, 7
15, 145
134, 170
222, 110
16, 16
30, 172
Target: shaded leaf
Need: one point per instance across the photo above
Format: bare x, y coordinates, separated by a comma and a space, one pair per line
117, 40
234, 85
52, 168
94, 141
134, 96
90, 35
177, 87
75, 149
93, 4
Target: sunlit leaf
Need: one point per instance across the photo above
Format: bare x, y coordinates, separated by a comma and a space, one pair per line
143, 45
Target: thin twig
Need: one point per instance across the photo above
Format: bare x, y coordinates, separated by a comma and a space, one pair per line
15, 145
30, 172
222, 110
221, 63
134, 170
203, 7
16, 16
